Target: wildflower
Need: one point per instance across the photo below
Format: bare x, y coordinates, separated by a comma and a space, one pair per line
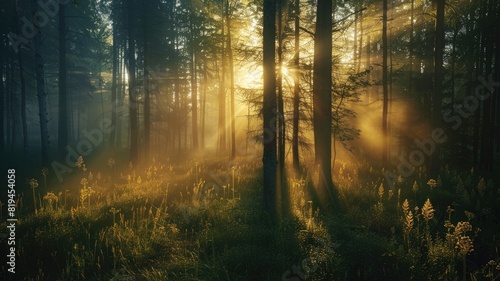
50, 197
415, 187
462, 228
400, 179
465, 245
448, 224
79, 162
33, 183
45, 171
111, 162
432, 183
409, 221
84, 182
381, 190
449, 210
406, 206
428, 210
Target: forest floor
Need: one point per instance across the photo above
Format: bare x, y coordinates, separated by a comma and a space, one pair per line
203, 221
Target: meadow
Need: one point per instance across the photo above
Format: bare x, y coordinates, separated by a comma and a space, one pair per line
204, 221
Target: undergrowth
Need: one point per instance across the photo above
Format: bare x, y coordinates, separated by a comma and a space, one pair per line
204, 221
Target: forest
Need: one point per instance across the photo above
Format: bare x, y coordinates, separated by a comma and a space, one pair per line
249, 140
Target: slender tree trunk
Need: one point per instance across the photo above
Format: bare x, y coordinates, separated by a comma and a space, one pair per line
496, 100
42, 96
11, 101
296, 88
360, 51
231, 81
2, 100
486, 138
355, 60
279, 81
322, 102
438, 82
112, 135
385, 133
147, 90
63, 108
12, 105
203, 104
410, 71
23, 86
222, 95
194, 90
269, 157
368, 65
131, 85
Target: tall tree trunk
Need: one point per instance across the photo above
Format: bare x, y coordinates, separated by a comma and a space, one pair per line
385, 133
296, 88
131, 84
438, 82
355, 40
231, 81
194, 90
222, 94
63, 108
486, 138
203, 104
496, 100
42, 95
23, 86
368, 65
322, 102
147, 90
2, 100
112, 135
279, 80
269, 157
360, 49
410, 71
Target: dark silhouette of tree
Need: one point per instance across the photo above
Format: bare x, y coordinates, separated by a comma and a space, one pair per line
63, 104
322, 100
438, 81
385, 103
134, 134
269, 158
296, 87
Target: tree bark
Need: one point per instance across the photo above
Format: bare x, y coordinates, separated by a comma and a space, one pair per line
385, 133
322, 101
438, 82
63, 106
42, 96
269, 157
222, 94
2, 100
296, 88
486, 159
147, 90
131, 85
194, 91
112, 135
279, 81
231, 81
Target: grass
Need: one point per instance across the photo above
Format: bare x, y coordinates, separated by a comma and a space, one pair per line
204, 221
